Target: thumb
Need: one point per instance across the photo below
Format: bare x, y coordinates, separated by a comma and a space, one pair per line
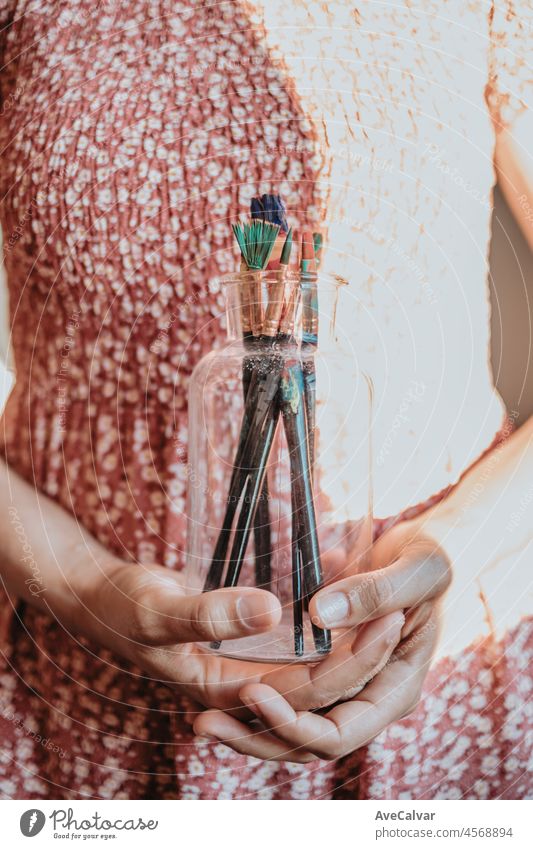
162, 613
420, 572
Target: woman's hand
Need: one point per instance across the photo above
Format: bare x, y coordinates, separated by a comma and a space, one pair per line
144, 615
410, 574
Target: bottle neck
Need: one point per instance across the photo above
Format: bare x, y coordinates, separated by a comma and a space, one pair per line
280, 305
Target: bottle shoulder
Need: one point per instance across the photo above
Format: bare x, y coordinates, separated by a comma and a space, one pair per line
238, 351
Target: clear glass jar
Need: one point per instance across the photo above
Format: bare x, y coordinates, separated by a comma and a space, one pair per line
277, 485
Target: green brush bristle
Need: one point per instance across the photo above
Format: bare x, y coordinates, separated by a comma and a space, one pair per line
317, 246
256, 241
239, 235
286, 252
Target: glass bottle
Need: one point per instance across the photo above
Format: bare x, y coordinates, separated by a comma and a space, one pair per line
279, 480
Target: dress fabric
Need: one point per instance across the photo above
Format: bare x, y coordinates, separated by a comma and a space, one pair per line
130, 135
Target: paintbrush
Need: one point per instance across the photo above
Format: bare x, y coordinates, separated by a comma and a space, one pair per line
262, 428
256, 241
272, 209
262, 530
296, 398
304, 519
309, 336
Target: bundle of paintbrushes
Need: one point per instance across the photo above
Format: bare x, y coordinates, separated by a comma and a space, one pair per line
278, 325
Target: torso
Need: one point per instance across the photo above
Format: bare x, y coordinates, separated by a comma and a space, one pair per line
135, 137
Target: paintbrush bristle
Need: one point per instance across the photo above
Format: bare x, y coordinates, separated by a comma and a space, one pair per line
270, 208
318, 241
286, 252
256, 241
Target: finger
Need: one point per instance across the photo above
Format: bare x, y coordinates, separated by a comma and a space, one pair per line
245, 740
297, 730
205, 677
421, 573
348, 726
163, 615
355, 660
415, 617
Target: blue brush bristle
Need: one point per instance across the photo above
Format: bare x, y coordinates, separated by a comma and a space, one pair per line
256, 208
270, 208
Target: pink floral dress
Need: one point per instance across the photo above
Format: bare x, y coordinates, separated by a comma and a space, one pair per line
130, 134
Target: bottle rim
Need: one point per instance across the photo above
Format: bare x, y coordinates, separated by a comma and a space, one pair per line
304, 278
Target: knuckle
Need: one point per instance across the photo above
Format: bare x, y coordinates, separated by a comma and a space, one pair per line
204, 621
144, 617
375, 592
440, 571
328, 750
329, 754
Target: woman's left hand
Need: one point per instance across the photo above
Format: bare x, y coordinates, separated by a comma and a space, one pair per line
410, 573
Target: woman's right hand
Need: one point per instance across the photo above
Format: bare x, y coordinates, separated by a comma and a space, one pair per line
145, 615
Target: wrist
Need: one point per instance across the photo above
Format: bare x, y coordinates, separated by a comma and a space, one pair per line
82, 589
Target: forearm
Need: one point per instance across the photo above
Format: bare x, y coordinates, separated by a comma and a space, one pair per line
515, 171
46, 557
490, 512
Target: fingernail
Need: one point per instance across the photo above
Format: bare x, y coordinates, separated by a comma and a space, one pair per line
333, 608
206, 738
255, 611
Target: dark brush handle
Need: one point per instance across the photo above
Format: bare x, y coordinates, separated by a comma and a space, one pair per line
293, 410
262, 534
297, 589
259, 407
253, 487
257, 472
